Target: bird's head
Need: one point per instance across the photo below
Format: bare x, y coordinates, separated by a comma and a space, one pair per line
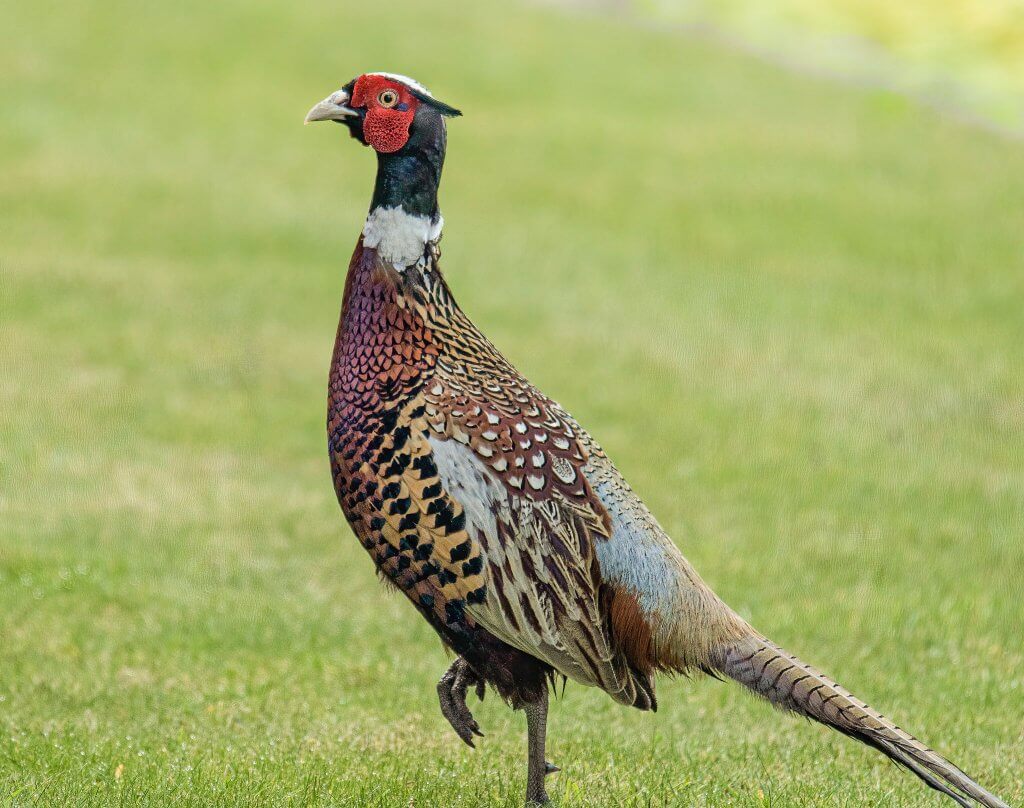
384, 110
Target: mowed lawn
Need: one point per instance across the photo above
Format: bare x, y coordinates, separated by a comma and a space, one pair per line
792, 313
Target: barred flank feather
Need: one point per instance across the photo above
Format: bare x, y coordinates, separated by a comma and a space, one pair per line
790, 684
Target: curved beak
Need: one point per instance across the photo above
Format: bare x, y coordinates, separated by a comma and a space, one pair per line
331, 108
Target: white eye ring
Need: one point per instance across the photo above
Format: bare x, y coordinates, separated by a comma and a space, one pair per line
387, 98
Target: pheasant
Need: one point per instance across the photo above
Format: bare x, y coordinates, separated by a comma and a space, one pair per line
499, 517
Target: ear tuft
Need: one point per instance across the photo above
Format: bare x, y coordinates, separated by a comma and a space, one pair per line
440, 106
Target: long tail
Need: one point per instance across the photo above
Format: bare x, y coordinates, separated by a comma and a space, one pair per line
788, 683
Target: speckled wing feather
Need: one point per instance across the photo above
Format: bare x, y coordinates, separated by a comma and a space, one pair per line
514, 462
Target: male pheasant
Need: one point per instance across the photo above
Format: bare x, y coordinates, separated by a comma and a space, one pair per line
495, 513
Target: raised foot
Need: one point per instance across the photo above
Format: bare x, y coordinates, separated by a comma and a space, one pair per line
451, 693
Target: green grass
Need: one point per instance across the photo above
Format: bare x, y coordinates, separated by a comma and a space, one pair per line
790, 311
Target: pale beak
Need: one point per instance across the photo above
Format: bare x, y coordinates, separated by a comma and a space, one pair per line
331, 108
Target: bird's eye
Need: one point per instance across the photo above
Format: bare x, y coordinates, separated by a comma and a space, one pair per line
388, 98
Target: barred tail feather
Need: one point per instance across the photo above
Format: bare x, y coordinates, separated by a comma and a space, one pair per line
790, 684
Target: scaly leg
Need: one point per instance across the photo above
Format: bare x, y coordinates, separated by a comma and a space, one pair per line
537, 767
451, 692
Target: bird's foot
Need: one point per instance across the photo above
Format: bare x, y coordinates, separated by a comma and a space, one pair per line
451, 692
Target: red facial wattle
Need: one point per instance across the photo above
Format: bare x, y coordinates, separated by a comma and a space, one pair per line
385, 128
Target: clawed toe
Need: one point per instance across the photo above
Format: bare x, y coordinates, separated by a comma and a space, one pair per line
451, 693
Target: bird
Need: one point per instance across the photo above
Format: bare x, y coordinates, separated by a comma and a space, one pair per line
496, 514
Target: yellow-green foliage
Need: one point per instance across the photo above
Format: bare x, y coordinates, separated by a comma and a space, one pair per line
969, 53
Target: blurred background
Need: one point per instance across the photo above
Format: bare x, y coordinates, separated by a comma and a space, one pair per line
772, 255
965, 57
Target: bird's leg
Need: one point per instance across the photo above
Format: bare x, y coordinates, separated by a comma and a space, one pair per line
451, 692
537, 767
